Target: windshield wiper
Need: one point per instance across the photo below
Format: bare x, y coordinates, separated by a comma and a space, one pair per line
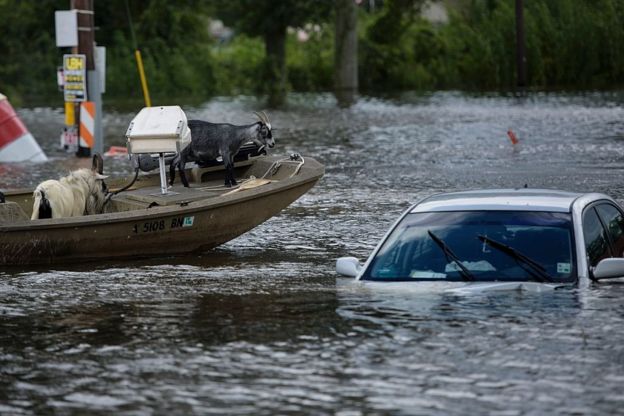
534, 268
450, 256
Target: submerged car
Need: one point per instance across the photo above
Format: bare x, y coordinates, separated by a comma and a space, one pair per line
509, 238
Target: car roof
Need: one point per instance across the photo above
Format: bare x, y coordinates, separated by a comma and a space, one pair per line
522, 199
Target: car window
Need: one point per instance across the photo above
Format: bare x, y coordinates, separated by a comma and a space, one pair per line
596, 243
613, 220
411, 253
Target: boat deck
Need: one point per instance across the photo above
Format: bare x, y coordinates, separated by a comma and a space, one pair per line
204, 183
177, 194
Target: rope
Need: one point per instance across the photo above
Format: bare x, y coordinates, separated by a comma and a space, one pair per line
294, 158
112, 194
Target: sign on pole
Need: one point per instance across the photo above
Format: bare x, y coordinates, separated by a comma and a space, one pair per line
74, 68
66, 25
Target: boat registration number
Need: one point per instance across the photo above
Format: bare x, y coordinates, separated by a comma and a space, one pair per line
162, 225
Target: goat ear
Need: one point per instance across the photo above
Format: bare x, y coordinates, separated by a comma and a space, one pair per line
100, 176
98, 164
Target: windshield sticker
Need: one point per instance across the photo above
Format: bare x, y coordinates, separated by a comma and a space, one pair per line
426, 274
563, 268
477, 266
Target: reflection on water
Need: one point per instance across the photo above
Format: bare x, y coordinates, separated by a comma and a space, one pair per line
262, 325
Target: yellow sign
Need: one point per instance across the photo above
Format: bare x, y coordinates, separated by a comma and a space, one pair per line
74, 70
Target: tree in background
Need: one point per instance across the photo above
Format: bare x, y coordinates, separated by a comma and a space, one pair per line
27, 45
569, 43
388, 58
270, 20
173, 38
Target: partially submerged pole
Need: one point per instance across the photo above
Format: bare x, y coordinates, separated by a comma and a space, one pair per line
345, 58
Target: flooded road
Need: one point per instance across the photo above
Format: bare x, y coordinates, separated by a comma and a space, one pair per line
262, 325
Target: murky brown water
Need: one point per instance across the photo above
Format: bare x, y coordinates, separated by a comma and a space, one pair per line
262, 325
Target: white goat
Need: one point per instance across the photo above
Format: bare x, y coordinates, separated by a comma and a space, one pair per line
82, 192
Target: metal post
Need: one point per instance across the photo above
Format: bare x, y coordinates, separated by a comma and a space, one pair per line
163, 175
93, 88
520, 48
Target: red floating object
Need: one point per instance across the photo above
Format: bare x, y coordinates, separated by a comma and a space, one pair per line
116, 151
512, 137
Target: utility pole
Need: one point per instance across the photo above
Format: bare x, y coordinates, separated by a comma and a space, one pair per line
520, 48
345, 58
86, 46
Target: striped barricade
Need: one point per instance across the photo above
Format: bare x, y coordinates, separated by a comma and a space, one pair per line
16, 142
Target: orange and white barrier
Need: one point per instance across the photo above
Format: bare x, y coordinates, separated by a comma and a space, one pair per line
16, 142
87, 124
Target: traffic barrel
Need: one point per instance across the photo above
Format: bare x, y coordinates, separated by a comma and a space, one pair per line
16, 142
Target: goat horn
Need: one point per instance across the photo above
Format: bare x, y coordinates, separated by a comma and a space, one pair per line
263, 117
259, 116
266, 118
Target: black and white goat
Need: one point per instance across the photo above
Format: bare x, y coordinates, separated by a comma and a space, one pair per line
210, 140
82, 192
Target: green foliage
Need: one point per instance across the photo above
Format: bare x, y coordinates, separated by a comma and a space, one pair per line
569, 44
269, 20
259, 17
238, 65
310, 63
26, 64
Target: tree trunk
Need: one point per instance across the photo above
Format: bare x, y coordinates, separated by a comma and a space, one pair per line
345, 58
520, 47
275, 76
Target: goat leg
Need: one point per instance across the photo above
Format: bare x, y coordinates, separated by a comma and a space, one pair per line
172, 167
183, 174
229, 172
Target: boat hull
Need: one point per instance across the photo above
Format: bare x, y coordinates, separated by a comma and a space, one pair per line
158, 231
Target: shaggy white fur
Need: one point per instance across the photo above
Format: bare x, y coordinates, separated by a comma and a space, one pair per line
82, 192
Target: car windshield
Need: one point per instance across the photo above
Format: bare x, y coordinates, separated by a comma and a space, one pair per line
478, 246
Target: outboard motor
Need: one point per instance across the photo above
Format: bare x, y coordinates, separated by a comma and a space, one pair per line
148, 163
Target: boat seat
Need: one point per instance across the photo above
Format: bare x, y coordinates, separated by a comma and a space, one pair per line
11, 212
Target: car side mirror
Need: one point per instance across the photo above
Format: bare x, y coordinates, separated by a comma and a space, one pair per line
609, 268
348, 266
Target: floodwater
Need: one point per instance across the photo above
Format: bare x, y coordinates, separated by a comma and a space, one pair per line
263, 326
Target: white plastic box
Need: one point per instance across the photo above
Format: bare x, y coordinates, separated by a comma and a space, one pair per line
158, 130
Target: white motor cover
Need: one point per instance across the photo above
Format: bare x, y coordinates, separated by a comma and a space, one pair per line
158, 130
